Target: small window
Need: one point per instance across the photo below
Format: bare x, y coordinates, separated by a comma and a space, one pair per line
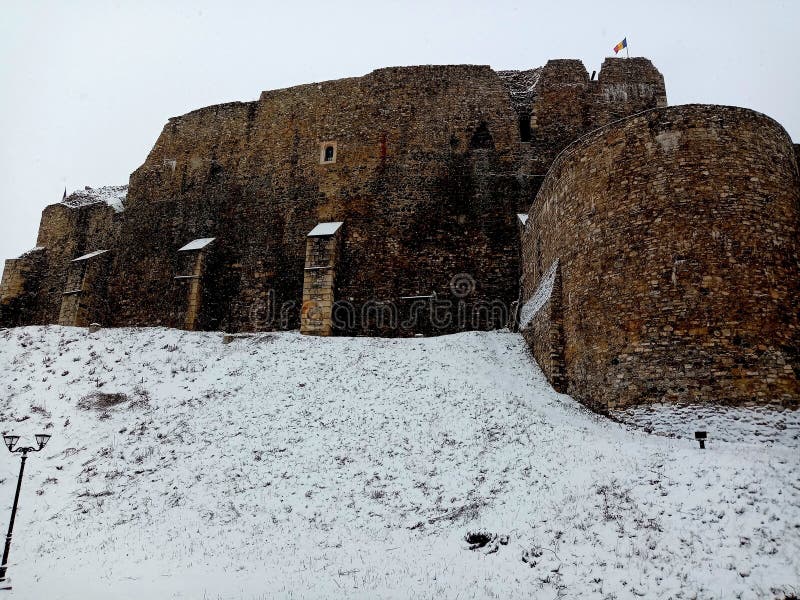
525, 128
327, 152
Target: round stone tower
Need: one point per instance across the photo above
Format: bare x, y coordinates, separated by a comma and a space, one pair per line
660, 261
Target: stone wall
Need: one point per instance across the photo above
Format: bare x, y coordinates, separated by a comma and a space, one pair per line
19, 288
323, 247
84, 299
624, 87
567, 103
65, 233
408, 178
676, 235
428, 170
797, 153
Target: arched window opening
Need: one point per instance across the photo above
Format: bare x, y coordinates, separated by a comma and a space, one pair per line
327, 152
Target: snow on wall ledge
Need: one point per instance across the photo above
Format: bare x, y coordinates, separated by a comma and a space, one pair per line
112, 195
540, 296
541, 324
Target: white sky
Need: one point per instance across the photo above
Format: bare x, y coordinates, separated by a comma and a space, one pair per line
85, 87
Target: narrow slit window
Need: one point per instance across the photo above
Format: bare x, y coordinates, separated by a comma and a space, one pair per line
525, 128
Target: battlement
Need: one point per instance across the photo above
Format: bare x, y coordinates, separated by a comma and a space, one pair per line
637, 70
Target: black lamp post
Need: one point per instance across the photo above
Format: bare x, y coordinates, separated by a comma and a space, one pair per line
11, 441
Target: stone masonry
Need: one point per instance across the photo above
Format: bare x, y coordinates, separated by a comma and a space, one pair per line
658, 261
429, 166
19, 287
675, 233
319, 278
83, 300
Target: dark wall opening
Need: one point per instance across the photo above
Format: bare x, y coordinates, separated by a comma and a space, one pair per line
481, 139
525, 128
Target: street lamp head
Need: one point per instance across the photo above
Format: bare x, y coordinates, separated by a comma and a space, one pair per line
42, 439
11, 441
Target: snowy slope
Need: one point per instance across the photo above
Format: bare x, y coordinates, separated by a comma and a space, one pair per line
283, 466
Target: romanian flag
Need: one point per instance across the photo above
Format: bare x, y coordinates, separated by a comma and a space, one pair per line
621, 45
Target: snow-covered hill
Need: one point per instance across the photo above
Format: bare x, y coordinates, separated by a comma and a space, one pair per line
282, 466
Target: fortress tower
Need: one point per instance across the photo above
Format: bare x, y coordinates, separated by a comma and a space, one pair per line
660, 261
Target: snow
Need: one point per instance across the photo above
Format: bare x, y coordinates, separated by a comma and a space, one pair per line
90, 255
323, 229
542, 294
768, 424
285, 466
522, 86
523, 218
197, 244
113, 195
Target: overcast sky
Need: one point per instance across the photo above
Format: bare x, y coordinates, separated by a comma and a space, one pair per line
85, 87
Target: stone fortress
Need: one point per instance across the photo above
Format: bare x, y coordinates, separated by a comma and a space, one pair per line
647, 253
